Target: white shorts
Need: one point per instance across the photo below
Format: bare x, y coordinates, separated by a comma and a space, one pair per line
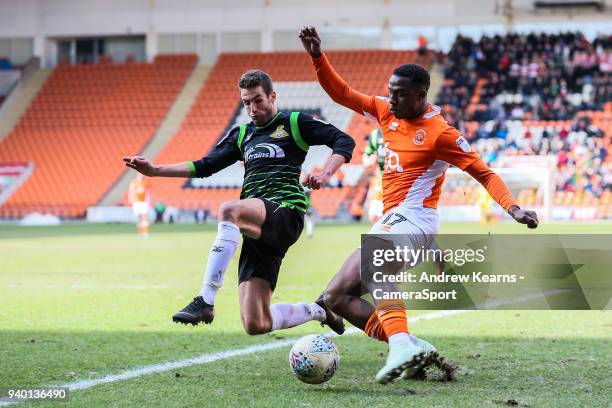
376, 209
140, 207
408, 220
412, 227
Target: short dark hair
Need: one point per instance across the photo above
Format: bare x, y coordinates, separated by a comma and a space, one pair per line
417, 74
254, 78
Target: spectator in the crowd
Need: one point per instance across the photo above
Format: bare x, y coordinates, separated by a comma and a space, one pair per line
546, 69
580, 158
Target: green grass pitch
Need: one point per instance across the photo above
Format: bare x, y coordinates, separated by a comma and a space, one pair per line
80, 302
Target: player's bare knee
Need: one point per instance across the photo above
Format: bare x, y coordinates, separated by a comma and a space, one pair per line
229, 211
254, 327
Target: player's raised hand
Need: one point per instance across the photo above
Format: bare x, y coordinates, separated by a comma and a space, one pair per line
524, 217
141, 164
311, 41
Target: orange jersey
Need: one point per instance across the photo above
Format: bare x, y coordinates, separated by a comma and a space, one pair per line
417, 151
139, 190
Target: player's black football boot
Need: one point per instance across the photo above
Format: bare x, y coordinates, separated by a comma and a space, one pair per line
335, 322
195, 312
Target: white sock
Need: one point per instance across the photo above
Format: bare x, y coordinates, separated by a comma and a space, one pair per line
285, 315
221, 253
400, 340
309, 227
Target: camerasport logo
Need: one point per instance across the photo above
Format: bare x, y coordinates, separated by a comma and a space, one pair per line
264, 151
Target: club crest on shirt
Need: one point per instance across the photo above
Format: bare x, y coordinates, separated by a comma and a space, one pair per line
419, 137
279, 133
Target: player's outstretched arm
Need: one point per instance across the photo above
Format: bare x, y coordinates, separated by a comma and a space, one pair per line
222, 155
332, 83
142, 165
453, 148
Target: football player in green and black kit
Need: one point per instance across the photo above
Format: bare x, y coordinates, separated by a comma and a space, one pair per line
270, 212
376, 145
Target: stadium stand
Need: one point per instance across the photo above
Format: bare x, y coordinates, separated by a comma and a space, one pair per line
8, 79
536, 94
85, 118
512, 95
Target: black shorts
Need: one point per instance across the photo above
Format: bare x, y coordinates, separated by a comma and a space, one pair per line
262, 257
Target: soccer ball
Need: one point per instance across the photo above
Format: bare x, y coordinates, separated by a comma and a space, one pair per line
314, 359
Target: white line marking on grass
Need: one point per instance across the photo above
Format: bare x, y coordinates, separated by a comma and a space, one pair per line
211, 357
222, 355
160, 368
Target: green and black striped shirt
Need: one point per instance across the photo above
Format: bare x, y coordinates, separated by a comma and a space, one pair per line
273, 155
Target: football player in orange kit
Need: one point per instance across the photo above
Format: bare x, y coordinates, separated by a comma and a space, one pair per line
419, 147
139, 196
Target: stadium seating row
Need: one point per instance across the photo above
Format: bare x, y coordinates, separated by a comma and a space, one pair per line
85, 118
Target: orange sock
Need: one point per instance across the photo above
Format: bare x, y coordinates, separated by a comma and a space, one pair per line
392, 317
374, 329
143, 226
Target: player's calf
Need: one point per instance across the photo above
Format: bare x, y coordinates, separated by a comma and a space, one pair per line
343, 294
286, 315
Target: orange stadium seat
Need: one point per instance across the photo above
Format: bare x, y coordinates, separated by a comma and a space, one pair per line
84, 119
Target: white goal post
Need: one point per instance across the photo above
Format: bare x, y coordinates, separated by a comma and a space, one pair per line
531, 179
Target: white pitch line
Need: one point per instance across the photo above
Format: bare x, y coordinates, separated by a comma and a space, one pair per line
222, 355
212, 357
